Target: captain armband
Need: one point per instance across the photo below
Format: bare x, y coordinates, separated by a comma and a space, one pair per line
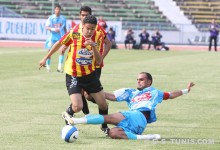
185, 91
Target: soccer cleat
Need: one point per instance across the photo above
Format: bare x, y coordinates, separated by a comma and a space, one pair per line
48, 70
68, 118
157, 136
106, 131
154, 137
60, 71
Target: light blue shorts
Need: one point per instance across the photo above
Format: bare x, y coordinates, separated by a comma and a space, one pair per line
49, 43
134, 122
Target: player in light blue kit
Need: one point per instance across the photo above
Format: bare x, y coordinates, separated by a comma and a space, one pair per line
142, 104
56, 24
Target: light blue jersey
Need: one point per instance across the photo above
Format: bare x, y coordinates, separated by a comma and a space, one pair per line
144, 100
55, 22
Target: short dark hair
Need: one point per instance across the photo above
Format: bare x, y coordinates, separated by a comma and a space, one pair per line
148, 75
57, 5
90, 19
86, 8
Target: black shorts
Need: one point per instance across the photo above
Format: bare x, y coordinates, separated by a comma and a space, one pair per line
98, 72
90, 83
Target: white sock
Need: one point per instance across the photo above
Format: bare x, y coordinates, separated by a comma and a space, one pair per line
48, 67
59, 66
149, 137
79, 120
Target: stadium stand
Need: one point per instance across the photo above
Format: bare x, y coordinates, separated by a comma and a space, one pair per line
130, 12
201, 12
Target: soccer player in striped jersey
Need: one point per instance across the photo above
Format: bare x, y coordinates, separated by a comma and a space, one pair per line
81, 63
56, 24
104, 49
142, 104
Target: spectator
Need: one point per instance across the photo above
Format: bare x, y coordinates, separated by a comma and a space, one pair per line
111, 37
102, 22
156, 41
214, 30
144, 38
130, 38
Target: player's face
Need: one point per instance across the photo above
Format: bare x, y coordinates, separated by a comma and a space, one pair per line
88, 30
83, 14
57, 11
142, 82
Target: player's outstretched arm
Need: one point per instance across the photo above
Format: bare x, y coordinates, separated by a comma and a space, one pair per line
110, 96
175, 94
107, 47
54, 48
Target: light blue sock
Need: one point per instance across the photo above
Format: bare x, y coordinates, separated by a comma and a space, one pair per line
61, 59
95, 119
48, 62
131, 136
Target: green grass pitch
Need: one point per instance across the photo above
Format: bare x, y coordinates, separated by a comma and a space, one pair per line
32, 100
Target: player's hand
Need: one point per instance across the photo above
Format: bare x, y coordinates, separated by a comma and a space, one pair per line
89, 41
42, 63
191, 84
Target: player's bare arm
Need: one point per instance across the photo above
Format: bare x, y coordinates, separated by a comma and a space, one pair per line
108, 45
178, 93
110, 96
54, 48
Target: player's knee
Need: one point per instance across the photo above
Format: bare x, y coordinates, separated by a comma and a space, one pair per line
77, 108
103, 106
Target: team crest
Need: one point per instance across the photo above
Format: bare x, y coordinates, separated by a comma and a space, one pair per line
76, 35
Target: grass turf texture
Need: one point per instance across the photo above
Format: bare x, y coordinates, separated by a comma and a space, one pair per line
32, 101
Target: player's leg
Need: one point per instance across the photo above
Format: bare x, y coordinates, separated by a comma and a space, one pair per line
74, 92
104, 126
119, 133
49, 43
61, 58
100, 100
215, 43
210, 43
48, 64
94, 119
85, 108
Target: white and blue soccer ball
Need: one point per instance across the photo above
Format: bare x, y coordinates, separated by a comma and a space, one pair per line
70, 133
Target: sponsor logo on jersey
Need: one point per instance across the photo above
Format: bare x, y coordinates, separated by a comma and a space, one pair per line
85, 57
76, 35
84, 61
143, 97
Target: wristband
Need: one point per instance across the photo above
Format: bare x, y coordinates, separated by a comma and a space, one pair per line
185, 91
52, 29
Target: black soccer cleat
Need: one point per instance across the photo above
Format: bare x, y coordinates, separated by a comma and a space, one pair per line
69, 111
106, 131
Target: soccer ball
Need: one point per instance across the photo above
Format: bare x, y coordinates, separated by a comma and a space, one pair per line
69, 133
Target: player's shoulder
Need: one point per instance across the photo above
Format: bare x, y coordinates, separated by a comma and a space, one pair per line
52, 16
63, 17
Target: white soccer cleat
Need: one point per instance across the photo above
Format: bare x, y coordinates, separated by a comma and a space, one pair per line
156, 136
68, 118
149, 137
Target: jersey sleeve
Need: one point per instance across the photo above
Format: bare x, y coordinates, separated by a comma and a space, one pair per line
160, 96
48, 22
67, 38
100, 29
122, 94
